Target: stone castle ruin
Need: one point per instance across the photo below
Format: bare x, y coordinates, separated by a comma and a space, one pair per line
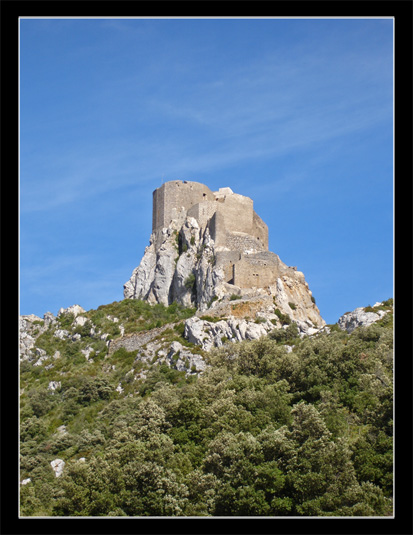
239, 234
208, 248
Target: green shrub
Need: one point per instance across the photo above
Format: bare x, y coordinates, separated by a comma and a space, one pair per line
190, 282
284, 318
285, 336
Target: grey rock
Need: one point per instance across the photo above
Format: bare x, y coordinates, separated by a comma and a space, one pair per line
30, 327
208, 334
359, 318
49, 319
76, 310
58, 466
79, 321
63, 334
87, 352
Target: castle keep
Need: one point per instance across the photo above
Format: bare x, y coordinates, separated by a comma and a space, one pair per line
240, 235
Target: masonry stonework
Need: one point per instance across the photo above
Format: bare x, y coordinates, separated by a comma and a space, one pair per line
239, 234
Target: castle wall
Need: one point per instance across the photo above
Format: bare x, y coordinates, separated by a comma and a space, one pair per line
226, 260
240, 241
175, 198
260, 231
158, 205
237, 211
258, 270
203, 212
217, 229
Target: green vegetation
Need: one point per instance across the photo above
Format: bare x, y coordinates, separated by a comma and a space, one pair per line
286, 336
262, 432
137, 315
284, 318
212, 319
190, 282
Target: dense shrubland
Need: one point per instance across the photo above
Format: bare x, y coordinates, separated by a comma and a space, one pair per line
264, 431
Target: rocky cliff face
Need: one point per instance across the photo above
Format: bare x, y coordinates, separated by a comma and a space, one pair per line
180, 265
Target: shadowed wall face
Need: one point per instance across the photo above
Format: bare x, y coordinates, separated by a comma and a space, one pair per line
173, 200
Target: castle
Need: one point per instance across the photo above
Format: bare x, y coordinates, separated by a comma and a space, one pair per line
239, 234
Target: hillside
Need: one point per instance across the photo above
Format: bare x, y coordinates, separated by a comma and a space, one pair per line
284, 425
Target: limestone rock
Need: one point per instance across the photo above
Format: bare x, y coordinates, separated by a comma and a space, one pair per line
79, 321
76, 310
30, 327
49, 319
184, 360
87, 352
209, 334
58, 466
63, 334
359, 318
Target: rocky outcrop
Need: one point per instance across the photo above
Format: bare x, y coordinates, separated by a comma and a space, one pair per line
32, 326
152, 347
180, 265
76, 310
58, 466
360, 317
209, 334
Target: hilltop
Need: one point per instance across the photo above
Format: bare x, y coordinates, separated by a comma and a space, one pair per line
208, 249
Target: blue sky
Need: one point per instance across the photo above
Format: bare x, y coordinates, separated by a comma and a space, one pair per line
295, 113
